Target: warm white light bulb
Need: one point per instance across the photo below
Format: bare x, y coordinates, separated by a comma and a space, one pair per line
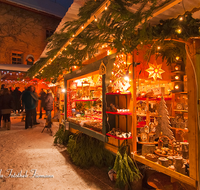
176, 77
63, 90
176, 87
126, 78
176, 68
181, 18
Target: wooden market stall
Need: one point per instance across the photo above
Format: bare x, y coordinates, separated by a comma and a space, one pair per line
154, 111
140, 98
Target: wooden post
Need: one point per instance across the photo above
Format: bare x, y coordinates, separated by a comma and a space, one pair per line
133, 108
192, 70
196, 44
65, 100
0, 79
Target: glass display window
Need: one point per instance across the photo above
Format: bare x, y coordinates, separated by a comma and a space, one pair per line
84, 101
162, 108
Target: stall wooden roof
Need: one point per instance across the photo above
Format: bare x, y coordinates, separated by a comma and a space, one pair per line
171, 10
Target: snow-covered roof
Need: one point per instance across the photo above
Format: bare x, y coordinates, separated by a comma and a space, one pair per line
171, 10
46, 6
16, 67
70, 15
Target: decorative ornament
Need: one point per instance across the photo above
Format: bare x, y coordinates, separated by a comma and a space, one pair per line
163, 121
155, 71
102, 69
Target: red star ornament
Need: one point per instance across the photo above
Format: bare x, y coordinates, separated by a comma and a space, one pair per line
155, 71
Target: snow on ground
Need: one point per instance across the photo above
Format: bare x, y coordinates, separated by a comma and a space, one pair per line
34, 155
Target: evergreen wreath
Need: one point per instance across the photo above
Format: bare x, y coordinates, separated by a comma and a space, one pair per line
117, 27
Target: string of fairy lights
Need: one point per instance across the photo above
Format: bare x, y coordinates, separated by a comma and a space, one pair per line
94, 17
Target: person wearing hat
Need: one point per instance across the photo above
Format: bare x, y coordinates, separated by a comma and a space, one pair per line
29, 102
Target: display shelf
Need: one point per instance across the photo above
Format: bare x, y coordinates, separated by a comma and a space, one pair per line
89, 132
150, 114
183, 92
153, 99
174, 80
178, 72
139, 142
86, 100
118, 137
164, 170
119, 113
118, 93
141, 114
186, 111
140, 126
180, 129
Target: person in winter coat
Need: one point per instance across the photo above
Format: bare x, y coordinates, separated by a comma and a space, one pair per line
28, 100
36, 104
1, 94
17, 94
42, 97
49, 104
7, 105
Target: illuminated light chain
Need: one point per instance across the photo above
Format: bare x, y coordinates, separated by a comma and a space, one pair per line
82, 27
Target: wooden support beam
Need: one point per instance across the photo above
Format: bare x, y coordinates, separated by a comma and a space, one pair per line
166, 7
163, 9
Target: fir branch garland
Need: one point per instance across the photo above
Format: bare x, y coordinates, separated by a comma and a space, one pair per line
116, 27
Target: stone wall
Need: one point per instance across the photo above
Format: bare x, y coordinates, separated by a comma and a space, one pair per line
23, 31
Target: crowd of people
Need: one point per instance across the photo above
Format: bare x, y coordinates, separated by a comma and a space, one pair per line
17, 102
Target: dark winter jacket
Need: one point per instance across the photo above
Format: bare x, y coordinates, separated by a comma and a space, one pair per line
49, 102
6, 103
28, 100
16, 95
42, 98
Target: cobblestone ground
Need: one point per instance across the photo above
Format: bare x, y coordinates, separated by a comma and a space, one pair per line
25, 150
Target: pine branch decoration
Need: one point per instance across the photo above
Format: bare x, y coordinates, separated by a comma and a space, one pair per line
118, 27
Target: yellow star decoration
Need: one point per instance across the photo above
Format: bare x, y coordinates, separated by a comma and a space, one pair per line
155, 71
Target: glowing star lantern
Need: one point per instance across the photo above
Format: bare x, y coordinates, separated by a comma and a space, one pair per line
155, 71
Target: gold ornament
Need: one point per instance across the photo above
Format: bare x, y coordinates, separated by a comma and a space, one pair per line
102, 69
155, 71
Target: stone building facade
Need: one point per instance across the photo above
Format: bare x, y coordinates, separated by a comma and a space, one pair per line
23, 33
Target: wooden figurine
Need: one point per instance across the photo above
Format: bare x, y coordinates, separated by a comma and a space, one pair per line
178, 163
163, 161
185, 150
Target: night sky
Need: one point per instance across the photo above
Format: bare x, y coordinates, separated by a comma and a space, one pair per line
64, 3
